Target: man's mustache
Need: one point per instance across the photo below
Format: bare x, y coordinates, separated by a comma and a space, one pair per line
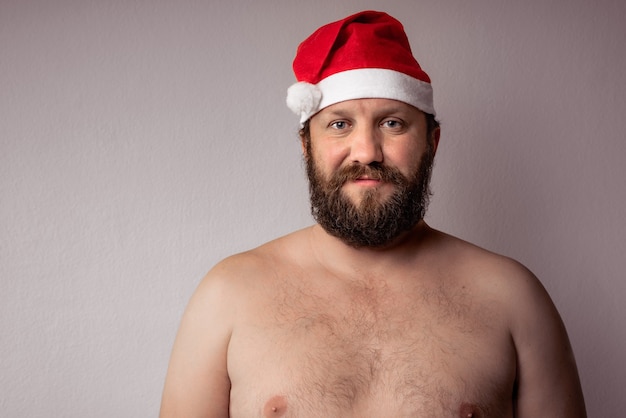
377, 171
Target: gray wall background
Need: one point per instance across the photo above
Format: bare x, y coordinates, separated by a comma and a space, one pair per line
142, 141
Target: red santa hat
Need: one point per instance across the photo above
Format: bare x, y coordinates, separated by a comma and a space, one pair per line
366, 55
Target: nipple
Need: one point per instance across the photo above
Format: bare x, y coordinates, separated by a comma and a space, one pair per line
275, 407
469, 411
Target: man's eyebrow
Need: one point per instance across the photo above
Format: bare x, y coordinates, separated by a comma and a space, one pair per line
339, 112
391, 110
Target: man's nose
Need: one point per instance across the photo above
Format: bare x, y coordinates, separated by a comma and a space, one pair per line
366, 146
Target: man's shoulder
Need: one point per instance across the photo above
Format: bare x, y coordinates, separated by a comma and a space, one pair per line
488, 270
241, 279
498, 284
473, 256
260, 262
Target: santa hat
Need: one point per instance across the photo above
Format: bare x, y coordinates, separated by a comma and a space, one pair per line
366, 55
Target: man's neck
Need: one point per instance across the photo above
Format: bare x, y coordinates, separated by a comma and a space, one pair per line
336, 255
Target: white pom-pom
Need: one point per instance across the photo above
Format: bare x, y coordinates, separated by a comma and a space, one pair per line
304, 99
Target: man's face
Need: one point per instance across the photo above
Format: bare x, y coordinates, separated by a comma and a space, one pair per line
369, 163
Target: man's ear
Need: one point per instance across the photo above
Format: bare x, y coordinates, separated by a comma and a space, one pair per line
303, 145
435, 135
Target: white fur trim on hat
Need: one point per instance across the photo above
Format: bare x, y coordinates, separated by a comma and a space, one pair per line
307, 99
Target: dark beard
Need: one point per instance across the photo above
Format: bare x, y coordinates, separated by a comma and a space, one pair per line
371, 223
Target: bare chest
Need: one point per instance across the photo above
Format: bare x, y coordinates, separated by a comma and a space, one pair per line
370, 351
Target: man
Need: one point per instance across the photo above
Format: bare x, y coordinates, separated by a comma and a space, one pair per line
370, 312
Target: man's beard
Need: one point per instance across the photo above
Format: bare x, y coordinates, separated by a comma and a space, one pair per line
371, 223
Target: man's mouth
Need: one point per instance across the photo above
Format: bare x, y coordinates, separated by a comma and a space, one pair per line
367, 180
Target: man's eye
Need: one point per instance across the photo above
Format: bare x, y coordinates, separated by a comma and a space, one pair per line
391, 123
340, 124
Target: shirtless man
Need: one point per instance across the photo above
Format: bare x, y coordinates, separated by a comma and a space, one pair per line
370, 312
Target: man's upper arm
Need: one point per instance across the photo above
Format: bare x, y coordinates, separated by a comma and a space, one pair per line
197, 382
547, 379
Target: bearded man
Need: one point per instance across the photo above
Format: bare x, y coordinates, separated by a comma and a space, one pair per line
370, 312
